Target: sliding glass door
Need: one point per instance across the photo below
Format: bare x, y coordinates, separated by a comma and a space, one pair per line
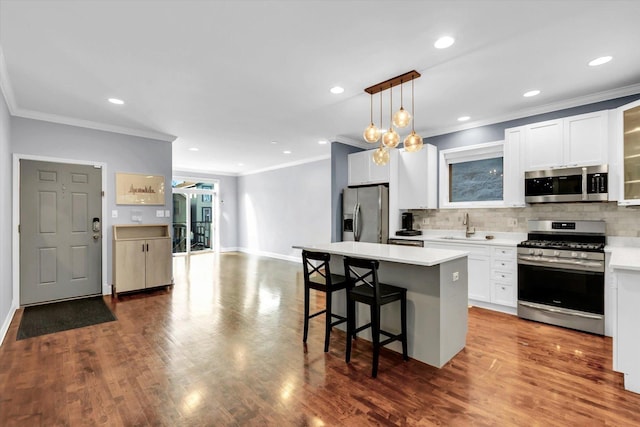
194, 217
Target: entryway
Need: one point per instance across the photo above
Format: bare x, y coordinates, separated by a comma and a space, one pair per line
60, 231
194, 216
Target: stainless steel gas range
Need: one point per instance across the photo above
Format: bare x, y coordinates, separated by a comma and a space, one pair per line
561, 274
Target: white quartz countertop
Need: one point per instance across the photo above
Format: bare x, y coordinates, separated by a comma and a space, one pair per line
392, 253
624, 258
458, 237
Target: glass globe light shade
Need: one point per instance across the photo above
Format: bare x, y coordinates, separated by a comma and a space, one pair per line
381, 156
371, 133
401, 118
413, 142
390, 139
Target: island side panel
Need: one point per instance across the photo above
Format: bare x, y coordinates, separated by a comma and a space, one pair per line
424, 309
454, 308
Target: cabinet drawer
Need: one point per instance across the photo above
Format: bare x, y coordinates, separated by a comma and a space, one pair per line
509, 253
503, 276
504, 294
503, 265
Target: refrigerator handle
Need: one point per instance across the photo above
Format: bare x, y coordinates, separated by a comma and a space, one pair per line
356, 222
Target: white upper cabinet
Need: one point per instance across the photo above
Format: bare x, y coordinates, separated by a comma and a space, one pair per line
572, 141
363, 171
513, 167
543, 145
586, 139
627, 140
417, 178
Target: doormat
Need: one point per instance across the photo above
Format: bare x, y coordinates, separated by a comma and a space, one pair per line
62, 316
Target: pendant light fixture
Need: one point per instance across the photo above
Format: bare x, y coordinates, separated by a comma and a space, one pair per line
413, 141
372, 133
402, 118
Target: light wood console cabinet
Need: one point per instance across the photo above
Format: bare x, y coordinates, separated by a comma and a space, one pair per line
141, 257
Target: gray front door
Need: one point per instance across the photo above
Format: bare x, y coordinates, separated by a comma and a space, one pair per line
60, 247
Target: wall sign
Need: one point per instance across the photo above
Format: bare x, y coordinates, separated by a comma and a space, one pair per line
139, 189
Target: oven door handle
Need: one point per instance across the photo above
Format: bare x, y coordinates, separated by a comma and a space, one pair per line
556, 310
578, 265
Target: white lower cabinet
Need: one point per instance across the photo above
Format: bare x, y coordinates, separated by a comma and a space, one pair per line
493, 275
504, 276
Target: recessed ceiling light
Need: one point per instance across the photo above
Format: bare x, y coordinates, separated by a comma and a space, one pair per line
194, 149
240, 164
463, 118
444, 42
531, 93
274, 142
336, 90
116, 101
323, 142
600, 61
287, 152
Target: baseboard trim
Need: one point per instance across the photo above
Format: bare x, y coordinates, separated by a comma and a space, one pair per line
7, 322
291, 258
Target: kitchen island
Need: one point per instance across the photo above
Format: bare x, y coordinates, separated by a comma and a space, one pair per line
437, 295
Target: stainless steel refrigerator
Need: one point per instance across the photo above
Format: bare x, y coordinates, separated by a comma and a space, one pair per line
365, 214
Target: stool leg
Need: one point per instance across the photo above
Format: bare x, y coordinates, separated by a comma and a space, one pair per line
375, 336
328, 318
351, 314
306, 314
403, 319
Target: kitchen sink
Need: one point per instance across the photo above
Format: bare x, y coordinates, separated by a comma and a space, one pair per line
463, 239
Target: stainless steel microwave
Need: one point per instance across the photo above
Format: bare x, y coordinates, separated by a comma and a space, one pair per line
581, 184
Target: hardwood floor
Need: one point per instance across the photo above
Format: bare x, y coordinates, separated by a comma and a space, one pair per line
224, 347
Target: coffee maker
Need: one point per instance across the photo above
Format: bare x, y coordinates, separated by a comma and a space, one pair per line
407, 226
407, 221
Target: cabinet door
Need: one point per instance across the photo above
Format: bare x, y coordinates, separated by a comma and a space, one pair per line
417, 179
129, 265
378, 174
586, 139
358, 167
513, 167
543, 146
479, 278
159, 262
628, 140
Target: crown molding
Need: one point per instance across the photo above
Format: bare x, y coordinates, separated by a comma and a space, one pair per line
5, 85
287, 165
54, 118
343, 139
541, 109
180, 171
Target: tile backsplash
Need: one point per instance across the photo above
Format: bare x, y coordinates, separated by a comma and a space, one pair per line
621, 221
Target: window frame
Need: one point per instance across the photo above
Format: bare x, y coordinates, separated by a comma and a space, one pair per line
488, 150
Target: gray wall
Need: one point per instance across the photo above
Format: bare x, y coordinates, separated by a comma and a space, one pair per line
6, 280
121, 153
228, 196
339, 180
285, 207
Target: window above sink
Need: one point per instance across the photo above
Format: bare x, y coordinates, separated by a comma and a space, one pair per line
472, 176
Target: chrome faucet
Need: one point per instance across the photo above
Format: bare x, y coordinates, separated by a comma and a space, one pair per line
470, 231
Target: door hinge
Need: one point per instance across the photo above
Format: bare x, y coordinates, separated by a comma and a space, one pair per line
18, 228
102, 192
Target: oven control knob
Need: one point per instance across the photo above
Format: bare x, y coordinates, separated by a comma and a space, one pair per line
539, 252
574, 254
556, 253
532, 252
584, 255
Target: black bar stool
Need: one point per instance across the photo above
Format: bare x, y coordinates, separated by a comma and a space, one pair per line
363, 287
319, 277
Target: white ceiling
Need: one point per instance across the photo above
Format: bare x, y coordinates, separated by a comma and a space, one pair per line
230, 77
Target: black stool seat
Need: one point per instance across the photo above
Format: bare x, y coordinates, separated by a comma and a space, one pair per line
363, 287
317, 276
